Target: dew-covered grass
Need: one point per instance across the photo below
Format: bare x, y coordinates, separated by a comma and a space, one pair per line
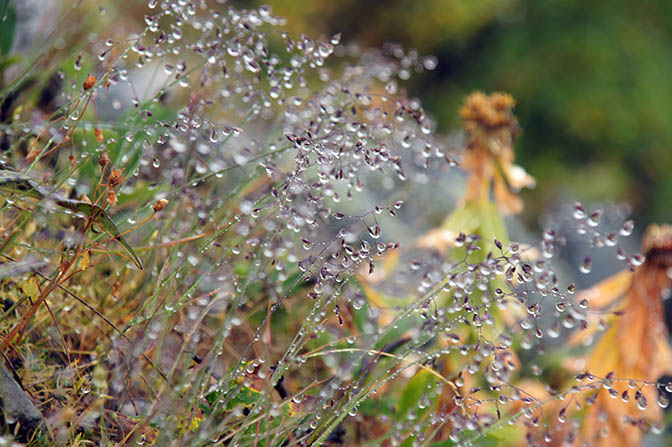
212, 234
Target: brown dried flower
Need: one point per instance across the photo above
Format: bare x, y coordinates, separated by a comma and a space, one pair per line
89, 82
493, 112
99, 134
492, 130
115, 178
103, 159
112, 197
160, 204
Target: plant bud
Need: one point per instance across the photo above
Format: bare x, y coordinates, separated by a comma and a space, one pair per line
160, 204
89, 82
103, 160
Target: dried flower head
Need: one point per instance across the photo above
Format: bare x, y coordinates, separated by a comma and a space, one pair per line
103, 159
492, 129
112, 198
89, 82
115, 178
489, 113
160, 204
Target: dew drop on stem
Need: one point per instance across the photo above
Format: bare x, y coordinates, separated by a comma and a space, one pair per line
587, 266
627, 228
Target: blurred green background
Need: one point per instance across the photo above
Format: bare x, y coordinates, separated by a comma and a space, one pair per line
593, 82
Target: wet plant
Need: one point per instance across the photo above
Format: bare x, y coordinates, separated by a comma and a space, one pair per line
208, 239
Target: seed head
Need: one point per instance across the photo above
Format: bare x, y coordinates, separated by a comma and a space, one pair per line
115, 178
160, 204
103, 160
89, 82
112, 197
489, 112
99, 134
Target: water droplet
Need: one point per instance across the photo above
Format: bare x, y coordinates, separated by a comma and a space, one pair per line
586, 267
374, 231
594, 218
430, 62
78, 62
562, 416
642, 404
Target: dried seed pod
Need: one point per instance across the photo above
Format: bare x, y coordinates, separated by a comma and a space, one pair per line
115, 178
160, 204
103, 159
89, 82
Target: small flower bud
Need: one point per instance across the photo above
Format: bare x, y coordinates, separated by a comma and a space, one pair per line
160, 204
103, 159
112, 197
115, 178
89, 82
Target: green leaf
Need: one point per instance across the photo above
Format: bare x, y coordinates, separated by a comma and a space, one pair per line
7, 26
30, 287
492, 225
15, 183
500, 436
414, 392
100, 216
464, 219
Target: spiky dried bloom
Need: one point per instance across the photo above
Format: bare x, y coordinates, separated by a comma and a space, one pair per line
111, 198
492, 129
115, 178
490, 113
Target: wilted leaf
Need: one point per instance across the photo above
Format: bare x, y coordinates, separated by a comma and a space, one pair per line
30, 287
17, 268
17, 183
635, 346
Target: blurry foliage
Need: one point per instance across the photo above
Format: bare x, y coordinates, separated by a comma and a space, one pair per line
592, 80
